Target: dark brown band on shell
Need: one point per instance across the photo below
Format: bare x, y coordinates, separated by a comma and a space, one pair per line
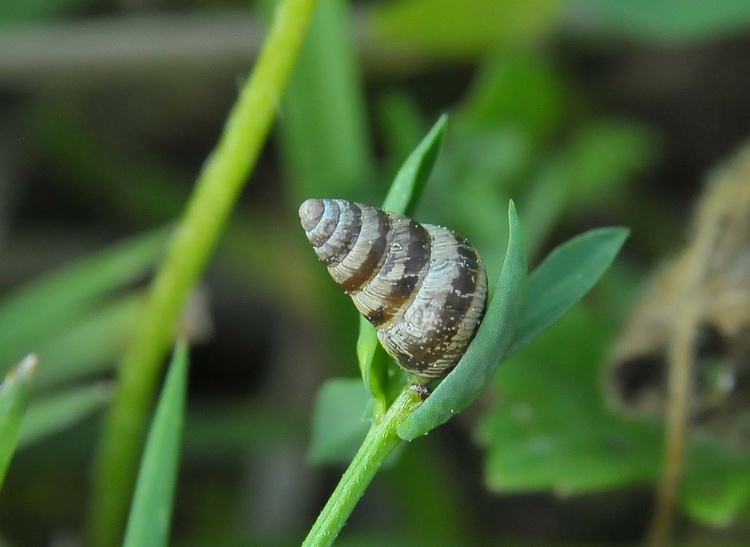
340, 243
400, 274
435, 331
320, 219
374, 253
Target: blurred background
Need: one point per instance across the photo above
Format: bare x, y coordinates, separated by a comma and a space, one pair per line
586, 112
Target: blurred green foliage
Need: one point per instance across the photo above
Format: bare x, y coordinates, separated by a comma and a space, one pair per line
552, 429
14, 394
524, 128
337, 428
61, 409
36, 10
672, 21
472, 27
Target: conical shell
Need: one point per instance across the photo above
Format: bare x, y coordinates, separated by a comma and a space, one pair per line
422, 286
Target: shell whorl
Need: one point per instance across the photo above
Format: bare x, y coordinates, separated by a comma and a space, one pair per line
422, 286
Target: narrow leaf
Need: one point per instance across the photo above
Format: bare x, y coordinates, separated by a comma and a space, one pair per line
402, 197
35, 12
373, 362
89, 345
14, 393
488, 349
407, 187
50, 304
62, 410
151, 511
440, 28
564, 277
216, 192
665, 21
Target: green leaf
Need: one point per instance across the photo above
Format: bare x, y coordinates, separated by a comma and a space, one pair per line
91, 344
373, 363
487, 350
516, 89
368, 351
564, 277
592, 171
36, 10
444, 27
551, 429
716, 484
14, 393
665, 21
402, 197
604, 156
340, 420
151, 511
46, 307
406, 190
54, 413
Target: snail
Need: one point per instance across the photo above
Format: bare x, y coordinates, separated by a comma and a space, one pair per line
423, 287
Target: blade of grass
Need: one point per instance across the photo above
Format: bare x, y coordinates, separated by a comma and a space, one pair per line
216, 192
151, 511
90, 345
324, 132
64, 294
13, 396
410, 181
61, 410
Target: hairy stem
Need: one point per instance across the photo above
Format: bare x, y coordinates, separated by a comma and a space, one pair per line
380, 441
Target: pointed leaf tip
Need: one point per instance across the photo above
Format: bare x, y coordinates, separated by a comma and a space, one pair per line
487, 350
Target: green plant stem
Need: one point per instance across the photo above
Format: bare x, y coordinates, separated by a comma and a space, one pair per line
380, 441
216, 192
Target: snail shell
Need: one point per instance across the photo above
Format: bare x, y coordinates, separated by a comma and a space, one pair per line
422, 286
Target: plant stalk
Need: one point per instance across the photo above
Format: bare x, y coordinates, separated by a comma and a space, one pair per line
194, 238
380, 441
681, 365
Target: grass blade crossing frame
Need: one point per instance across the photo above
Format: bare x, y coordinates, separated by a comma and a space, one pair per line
195, 237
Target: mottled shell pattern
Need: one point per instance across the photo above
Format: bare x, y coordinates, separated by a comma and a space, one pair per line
422, 286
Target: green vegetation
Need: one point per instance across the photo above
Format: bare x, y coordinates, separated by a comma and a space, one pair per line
113, 135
